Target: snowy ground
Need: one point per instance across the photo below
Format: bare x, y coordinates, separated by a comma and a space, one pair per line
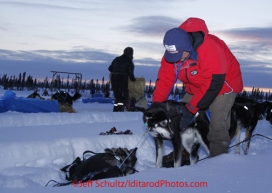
33, 148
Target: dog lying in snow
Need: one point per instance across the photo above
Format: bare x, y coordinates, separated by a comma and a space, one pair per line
120, 154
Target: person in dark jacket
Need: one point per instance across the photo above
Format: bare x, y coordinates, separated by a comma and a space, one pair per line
211, 75
122, 68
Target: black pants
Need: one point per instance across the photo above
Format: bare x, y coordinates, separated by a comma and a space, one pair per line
120, 89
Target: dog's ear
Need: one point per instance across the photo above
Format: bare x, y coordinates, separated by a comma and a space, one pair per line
147, 115
133, 157
134, 150
173, 108
107, 150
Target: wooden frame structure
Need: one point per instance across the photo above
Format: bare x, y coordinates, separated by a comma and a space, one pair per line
78, 77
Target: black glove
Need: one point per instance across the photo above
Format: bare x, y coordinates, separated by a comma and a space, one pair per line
186, 118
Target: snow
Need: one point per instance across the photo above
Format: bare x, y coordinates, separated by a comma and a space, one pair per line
34, 146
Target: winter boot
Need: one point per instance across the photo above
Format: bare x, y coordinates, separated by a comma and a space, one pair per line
115, 108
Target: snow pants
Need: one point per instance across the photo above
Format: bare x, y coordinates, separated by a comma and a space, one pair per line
120, 89
220, 112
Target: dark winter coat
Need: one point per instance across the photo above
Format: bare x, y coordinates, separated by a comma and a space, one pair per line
121, 68
123, 65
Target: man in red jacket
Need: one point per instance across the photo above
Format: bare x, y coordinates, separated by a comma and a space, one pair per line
211, 75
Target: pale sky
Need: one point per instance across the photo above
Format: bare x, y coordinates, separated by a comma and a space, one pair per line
84, 36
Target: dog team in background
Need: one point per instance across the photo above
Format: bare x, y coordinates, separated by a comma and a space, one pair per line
65, 100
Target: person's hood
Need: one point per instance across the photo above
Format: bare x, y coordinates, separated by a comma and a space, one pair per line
193, 24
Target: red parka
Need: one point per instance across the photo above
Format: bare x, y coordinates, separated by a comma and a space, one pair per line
215, 72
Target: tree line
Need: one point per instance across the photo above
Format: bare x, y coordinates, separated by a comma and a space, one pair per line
23, 82
95, 86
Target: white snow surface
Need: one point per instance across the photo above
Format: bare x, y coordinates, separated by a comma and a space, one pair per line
34, 146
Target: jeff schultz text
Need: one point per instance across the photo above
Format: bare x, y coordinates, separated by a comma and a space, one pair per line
138, 184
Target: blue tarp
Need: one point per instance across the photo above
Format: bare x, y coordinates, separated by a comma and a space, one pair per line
97, 98
9, 102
